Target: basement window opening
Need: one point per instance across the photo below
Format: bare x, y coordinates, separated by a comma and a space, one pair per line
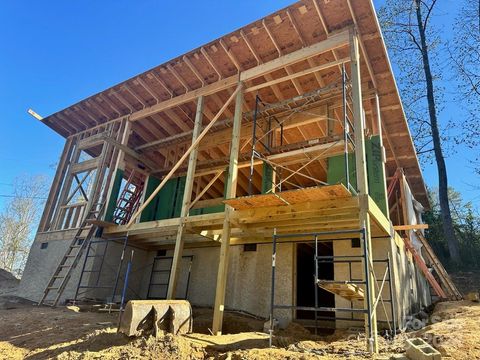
249, 247
43, 245
162, 252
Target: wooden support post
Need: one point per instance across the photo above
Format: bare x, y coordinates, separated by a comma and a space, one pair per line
47, 216
117, 171
382, 149
362, 185
183, 157
230, 192
187, 197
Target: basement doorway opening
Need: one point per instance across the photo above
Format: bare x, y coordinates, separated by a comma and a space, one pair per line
305, 289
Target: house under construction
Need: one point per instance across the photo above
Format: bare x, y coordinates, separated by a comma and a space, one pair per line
270, 171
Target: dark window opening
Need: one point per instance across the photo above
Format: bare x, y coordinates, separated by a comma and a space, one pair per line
306, 287
250, 247
43, 245
355, 243
162, 252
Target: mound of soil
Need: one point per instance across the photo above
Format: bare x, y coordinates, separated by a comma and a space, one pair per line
7, 280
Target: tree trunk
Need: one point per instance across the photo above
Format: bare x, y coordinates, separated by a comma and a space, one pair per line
437, 146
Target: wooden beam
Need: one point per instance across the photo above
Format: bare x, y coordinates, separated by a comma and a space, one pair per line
119, 163
187, 97
410, 227
362, 185
187, 197
231, 189
56, 186
183, 157
332, 42
297, 74
383, 151
134, 154
206, 187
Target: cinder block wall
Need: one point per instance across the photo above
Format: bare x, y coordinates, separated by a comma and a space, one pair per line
249, 279
41, 264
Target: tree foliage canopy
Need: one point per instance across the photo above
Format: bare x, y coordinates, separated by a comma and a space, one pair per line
466, 222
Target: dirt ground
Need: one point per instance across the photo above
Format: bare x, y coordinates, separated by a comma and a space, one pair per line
30, 332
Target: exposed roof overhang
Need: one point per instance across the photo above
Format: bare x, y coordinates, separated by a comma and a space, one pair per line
155, 94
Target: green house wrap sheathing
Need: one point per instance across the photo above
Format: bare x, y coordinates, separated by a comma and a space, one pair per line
267, 178
112, 201
148, 214
166, 200
211, 209
336, 170
167, 203
376, 178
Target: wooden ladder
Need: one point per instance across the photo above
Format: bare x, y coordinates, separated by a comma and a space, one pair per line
128, 201
71, 258
446, 280
83, 235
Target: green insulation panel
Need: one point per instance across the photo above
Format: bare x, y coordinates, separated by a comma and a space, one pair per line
167, 203
112, 201
376, 176
166, 200
148, 214
336, 170
180, 190
267, 178
211, 209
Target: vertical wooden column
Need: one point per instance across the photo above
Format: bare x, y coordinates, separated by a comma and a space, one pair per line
58, 180
118, 170
382, 149
230, 192
187, 197
362, 185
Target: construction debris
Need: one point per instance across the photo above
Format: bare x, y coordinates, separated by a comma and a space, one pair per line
418, 349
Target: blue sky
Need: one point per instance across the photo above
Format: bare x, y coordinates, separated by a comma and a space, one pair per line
55, 53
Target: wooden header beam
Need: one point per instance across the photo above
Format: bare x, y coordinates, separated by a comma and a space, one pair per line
334, 41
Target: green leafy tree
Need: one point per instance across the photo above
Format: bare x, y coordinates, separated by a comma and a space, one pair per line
414, 42
466, 222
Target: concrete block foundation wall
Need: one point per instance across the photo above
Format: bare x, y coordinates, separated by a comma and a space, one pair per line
249, 276
42, 262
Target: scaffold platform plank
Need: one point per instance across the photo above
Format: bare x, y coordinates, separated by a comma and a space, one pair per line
290, 197
351, 292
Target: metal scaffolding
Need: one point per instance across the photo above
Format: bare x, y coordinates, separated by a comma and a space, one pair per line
268, 130
368, 267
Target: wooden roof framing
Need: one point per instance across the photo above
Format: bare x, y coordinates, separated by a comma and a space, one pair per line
161, 101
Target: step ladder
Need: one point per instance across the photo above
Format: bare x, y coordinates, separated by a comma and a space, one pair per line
128, 201
448, 284
423, 267
70, 260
